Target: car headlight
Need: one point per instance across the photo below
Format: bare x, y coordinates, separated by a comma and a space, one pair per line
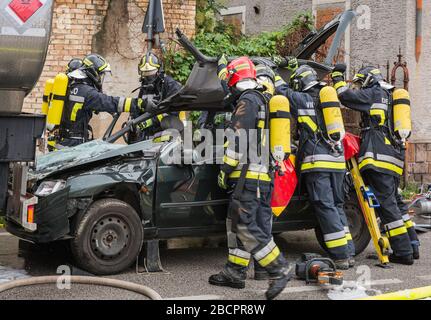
49, 187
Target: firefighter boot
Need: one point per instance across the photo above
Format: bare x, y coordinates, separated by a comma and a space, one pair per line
415, 252
278, 280
229, 277
343, 264
406, 260
260, 273
352, 262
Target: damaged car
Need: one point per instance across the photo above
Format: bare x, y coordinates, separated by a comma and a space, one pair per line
108, 199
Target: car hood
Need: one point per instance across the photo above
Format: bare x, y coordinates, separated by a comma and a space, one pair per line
87, 154
203, 90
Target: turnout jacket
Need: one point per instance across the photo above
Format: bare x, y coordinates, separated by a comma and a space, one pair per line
162, 88
84, 99
378, 150
248, 124
314, 153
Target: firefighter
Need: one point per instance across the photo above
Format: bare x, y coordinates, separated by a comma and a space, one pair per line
321, 159
85, 96
250, 183
381, 157
155, 85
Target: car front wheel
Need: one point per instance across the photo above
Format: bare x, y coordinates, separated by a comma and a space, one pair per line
108, 237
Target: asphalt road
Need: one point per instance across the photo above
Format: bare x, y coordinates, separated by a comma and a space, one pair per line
187, 270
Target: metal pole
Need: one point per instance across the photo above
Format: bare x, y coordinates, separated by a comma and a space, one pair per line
150, 36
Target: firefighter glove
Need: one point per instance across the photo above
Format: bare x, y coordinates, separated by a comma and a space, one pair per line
222, 180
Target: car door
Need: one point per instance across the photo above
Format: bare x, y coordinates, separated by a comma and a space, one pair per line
188, 196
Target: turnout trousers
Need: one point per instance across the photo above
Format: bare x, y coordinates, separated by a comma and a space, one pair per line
249, 226
385, 188
326, 194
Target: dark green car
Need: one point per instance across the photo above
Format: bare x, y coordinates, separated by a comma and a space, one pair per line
107, 199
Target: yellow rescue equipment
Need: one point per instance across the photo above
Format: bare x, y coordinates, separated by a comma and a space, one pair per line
279, 127
59, 93
332, 114
402, 114
49, 84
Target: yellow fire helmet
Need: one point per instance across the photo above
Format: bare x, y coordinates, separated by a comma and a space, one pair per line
149, 65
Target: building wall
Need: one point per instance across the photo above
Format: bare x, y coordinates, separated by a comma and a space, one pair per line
273, 13
111, 28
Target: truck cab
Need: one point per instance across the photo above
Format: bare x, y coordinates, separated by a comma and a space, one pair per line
25, 28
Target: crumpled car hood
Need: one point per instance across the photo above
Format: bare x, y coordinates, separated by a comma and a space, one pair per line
87, 153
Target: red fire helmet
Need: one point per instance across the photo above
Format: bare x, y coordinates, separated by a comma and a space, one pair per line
240, 69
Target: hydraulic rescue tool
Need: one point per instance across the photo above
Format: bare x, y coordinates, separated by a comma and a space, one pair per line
313, 268
367, 200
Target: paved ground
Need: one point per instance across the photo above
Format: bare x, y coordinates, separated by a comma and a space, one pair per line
187, 271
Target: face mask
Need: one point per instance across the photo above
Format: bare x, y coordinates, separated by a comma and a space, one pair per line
246, 84
149, 79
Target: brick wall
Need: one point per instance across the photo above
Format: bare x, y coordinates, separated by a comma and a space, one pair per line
419, 163
111, 28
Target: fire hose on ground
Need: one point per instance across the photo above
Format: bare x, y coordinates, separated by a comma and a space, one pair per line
106, 282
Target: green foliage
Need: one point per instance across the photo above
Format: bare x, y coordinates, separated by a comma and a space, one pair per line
223, 40
410, 190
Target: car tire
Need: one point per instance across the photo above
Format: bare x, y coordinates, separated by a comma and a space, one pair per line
108, 237
358, 227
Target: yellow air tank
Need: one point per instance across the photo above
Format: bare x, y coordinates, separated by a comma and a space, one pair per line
332, 114
402, 114
49, 84
58, 99
279, 115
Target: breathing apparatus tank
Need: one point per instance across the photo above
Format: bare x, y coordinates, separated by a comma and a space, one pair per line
59, 95
279, 117
402, 114
49, 84
332, 115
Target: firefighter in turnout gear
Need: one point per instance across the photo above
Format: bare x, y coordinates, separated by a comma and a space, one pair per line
249, 180
320, 158
381, 156
156, 86
85, 96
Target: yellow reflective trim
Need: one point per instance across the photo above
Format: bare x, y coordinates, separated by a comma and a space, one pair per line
239, 261
337, 74
231, 162
379, 112
396, 232
242, 66
375, 71
336, 243
164, 138
271, 257
261, 124
127, 105
324, 165
409, 224
381, 164
349, 237
340, 84
75, 109
251, 175
160, 117
304, 74
222, 74
308, 121
359, 75
387, 141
